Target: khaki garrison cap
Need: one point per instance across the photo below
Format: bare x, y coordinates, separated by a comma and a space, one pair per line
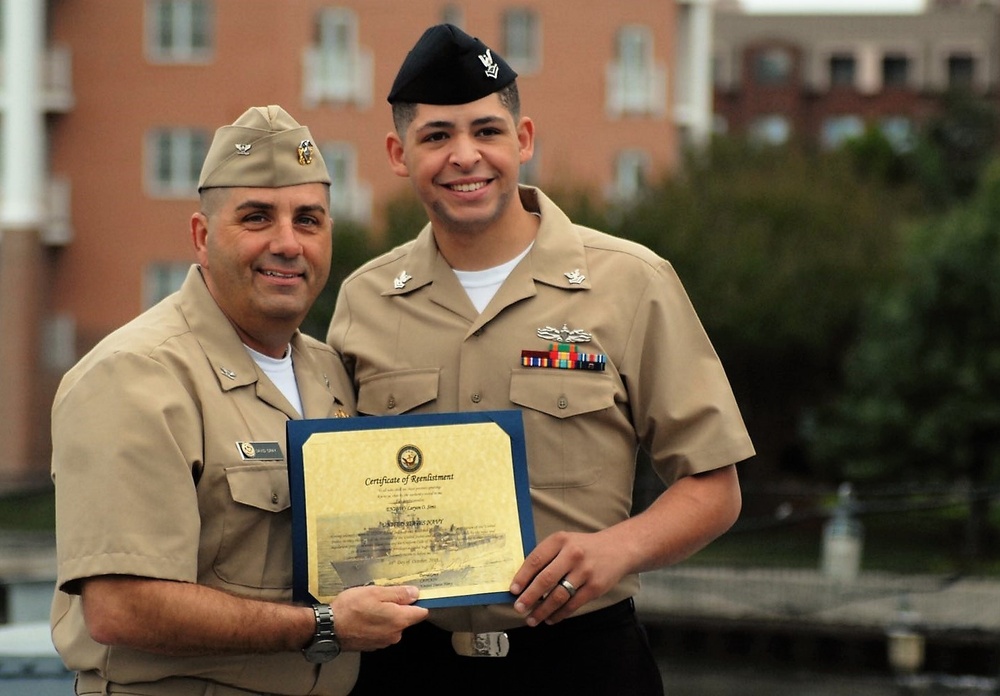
264, 148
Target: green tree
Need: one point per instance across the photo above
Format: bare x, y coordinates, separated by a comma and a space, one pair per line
354, 244
954, 147
777, 248
922, 383
351, 248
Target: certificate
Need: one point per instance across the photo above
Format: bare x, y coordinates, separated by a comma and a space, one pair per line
439, 501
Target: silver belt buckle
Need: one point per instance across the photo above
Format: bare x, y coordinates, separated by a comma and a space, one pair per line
494, 644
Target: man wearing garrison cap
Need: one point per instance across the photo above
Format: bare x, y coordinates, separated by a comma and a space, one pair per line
501, 302
173, 526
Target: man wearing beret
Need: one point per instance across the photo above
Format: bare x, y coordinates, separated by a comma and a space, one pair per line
472, 315
173, 526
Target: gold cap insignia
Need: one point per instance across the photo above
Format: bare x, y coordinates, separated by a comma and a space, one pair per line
305, 152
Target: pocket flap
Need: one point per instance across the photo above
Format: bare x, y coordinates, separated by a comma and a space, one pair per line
263, 486
392, 393
562, 393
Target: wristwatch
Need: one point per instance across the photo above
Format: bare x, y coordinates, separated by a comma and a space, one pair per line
324, 646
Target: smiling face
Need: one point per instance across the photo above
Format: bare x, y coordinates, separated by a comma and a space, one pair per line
265, 255
463, 161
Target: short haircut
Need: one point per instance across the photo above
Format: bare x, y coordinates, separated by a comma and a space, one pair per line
403, 113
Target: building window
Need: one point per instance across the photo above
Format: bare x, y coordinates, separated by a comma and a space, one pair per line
59, 342
336, 69
961, 71
162, 279
842, 70
529, 173
348, 197
899, 131
772, 129
631, 174
174, 159
453, 14
522, 41
636, 83
772, 67
179, 31
839, 129
895, 70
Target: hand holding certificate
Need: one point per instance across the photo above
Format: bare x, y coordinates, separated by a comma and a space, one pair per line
438, 501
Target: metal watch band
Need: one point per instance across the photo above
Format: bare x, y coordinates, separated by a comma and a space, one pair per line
324, 620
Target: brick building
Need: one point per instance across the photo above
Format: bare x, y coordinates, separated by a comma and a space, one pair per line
827, 77
109, 106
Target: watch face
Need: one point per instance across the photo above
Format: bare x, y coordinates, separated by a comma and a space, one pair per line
322, 650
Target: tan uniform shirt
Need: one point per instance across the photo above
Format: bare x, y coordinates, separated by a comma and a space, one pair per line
422, 347
151, 481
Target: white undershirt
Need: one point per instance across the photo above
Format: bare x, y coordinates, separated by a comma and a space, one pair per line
280, 371
481, 286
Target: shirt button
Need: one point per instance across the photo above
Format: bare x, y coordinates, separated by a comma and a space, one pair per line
391, 403
478, 332
476, 398
274, 498
563, 402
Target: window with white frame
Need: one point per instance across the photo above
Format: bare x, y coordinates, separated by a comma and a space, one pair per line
961, 71
59, 342
899, 131
770, 129
453, 14
179, 31
837, 130
336, 69
842, 70
522, 40
174, 157
720, 124
631, 174
772, 66
529, 171
637, 84
348, 197
895, 71
162, 278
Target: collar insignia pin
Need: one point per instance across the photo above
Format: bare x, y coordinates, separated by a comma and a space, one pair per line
575, 277
401, 280
305, 152
564, 335
492, 69
243, 149
227, 372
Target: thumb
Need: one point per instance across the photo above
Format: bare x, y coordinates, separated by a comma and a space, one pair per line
401, 594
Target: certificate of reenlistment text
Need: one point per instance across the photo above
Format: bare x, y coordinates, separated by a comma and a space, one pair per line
439, 501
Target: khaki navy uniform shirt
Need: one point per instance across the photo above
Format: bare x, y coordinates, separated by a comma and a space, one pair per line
151, 481
420, 346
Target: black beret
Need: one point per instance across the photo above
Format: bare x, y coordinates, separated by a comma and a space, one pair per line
447, 66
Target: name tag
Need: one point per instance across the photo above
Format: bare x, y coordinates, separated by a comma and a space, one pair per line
260, 451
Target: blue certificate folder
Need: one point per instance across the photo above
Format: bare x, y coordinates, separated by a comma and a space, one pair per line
338, 467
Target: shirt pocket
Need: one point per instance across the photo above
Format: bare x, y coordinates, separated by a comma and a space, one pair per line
562, 412
392, 393
256, 547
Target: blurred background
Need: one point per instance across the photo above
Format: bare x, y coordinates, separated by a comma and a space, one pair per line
823, 175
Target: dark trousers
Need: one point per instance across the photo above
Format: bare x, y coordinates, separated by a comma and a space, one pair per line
604, 653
